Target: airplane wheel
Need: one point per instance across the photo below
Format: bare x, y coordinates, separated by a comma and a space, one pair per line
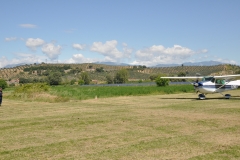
227, 96
201, 96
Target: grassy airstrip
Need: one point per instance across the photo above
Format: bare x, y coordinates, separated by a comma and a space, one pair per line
167, 126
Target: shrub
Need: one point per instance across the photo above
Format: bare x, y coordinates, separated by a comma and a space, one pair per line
109, 79
72, 82
32, 88
153, 77
3, 84
81, 82
161, 82
121, 76
55, 78
85, 77
36, 92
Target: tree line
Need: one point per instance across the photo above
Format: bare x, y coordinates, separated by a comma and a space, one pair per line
54, 75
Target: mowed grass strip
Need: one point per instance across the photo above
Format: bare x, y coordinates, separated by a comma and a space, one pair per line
173, 126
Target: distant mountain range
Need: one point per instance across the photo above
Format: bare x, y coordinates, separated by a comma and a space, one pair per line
112, 63
14, 65
204, 63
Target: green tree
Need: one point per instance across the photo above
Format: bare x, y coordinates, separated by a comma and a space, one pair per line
153, 77
90, 66
85, 77
24, 80
181, 74
3, 84
121, 76
72, 82
75, 71
109, 79
100, 69
237, 72
161, 82
81, 82
55, 78
46, 73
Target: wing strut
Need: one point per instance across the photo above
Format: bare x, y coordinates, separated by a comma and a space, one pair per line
221, 86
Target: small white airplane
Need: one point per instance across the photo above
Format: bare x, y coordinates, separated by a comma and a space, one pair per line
213, 84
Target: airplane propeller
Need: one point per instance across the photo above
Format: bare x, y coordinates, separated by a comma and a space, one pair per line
196, 84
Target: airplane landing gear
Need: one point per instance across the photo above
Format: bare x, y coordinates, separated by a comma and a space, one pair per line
227, 96
201, 96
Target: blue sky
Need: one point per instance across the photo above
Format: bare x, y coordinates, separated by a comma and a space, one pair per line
142, 32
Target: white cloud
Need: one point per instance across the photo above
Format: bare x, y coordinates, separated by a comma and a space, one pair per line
158, 54
34, 43
226, 61
110, 51
51, 50
11, 39
204, 51
28, 25
78, 46
21, 58
3, 61
127, 51
79, 58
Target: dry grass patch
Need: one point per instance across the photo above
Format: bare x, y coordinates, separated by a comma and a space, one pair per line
174, 126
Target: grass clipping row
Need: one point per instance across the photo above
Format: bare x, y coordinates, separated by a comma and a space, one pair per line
36, 92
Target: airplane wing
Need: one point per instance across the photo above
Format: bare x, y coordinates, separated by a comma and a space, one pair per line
194, 77
227, 77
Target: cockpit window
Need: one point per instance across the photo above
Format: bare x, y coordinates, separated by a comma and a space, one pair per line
223, 81
213, 80
220, 81
207, 78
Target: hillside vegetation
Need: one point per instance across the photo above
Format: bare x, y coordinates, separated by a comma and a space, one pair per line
98, 72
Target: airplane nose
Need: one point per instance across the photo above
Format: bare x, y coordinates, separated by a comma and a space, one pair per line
196, 84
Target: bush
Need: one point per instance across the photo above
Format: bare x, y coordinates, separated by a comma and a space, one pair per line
109, 79
161, 82
36, 92
55, 78
85, 78
72, 82
153, 77
121, 76
32, 88
81, 82
3, 84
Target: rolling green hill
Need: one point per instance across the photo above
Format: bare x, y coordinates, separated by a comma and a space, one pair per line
71, 71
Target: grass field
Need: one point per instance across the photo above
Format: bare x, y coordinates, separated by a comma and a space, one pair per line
90, 92
171, 126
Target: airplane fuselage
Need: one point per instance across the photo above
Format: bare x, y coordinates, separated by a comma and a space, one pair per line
212, 87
